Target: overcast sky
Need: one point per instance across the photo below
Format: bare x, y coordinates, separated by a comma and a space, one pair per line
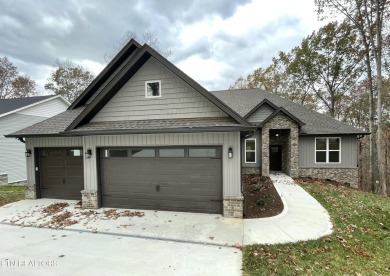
213, 41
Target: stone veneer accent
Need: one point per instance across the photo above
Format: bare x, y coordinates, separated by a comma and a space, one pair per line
281, 121
3, 179
30, 192
233, 207
89, 199
248, 170
342, 175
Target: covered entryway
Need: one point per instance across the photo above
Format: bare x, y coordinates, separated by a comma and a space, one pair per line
61, 173
187, 179
275, 158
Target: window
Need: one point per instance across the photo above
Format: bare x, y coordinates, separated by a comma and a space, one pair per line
153, 89
171, 152
143, 153
74, 152
115, 153
327, 150
202, 153
250, 151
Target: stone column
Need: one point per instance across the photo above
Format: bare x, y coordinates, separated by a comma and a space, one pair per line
89, 199
294, 166
265, 151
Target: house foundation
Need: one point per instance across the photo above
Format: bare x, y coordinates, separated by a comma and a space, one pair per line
342, 175
3, 179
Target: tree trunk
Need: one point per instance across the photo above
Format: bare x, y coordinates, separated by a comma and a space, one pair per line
380, 149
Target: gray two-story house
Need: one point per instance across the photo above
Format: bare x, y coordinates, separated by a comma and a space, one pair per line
145, 135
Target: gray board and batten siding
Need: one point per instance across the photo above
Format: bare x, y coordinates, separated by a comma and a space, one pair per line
348, 152
231, 167
178, 99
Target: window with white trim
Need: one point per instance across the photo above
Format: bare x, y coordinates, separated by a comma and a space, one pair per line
153, 89
328, 150
250, 150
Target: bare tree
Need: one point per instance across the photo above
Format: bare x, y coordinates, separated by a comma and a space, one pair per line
148, 37
12, 85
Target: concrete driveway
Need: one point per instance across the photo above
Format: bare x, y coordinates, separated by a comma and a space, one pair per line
152, 242
37, 251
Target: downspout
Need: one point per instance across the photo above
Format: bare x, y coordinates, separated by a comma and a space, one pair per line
246, 136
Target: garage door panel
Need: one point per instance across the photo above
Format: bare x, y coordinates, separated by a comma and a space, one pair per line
185, 206
128, 202
124, 188
61, 176
175, 184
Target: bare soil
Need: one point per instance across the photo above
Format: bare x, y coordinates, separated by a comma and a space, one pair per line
261, 198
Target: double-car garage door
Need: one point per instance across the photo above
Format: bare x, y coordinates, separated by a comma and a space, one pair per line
175, 179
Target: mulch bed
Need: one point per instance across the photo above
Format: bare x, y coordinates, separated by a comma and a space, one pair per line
311, 180
261, 198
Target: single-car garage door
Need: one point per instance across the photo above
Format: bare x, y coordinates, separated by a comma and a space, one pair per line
187, 179
61, 173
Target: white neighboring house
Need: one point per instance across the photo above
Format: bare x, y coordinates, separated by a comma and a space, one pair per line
16, 114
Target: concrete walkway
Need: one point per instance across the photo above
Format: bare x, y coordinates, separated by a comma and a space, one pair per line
303, 218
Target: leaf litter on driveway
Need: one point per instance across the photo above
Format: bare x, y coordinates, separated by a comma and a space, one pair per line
60, 215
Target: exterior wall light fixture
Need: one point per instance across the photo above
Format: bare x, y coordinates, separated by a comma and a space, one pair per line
230, 153
27, 153
88, 153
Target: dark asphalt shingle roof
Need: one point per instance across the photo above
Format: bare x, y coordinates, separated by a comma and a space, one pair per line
158, 124
243, 101
8, 105
51, 126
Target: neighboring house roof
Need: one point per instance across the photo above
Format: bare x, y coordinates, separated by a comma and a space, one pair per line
245, 102
50, 126
8, 106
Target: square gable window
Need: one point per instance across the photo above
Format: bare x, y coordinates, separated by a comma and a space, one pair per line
153, 89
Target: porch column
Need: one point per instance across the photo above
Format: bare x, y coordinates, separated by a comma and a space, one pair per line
265, 151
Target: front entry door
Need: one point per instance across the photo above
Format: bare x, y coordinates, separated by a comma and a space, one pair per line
275, 156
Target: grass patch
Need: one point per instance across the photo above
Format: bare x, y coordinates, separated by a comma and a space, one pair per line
360, 244
10, 194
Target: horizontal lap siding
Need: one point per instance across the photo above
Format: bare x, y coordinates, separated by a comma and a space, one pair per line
178, 99
348, 152
47, 142
231, 167
12, 160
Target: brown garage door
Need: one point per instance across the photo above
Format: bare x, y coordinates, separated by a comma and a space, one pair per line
61, 173
173, 179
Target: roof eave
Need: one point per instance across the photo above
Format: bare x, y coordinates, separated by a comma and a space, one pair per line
339, 133
131, 46
157, 131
